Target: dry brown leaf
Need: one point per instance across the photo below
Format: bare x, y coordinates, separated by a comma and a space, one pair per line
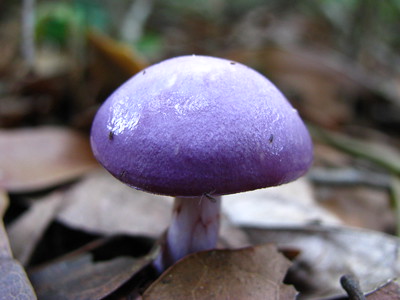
249, 273
101, 204
82, 278
289, 204
34, 159
26, 231
96, 270
359, 206
389, 291
327, 253
120, 55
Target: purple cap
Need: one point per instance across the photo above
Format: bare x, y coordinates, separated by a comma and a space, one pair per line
193, 125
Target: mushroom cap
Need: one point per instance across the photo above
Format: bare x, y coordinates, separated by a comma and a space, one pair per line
195, 125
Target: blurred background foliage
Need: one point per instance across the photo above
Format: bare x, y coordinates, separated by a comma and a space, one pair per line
101, 43
337, 61
354, 27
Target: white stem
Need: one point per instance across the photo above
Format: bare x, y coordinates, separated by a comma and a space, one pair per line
135, 20
194, 227
28, 32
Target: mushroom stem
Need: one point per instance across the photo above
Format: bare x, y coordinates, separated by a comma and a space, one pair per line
194, 227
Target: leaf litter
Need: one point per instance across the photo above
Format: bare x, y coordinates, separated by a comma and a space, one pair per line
388, 291
101, 204
327, 253
60, 154
94, 271
309, 80
249, 273
290, 204
128, 207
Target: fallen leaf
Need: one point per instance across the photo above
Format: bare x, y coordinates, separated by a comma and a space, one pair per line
289, 204
101, 204
81, 278
119, 54
34, 159
249, 273
389, 291
359, 206
92, 272
327, 253
26, 231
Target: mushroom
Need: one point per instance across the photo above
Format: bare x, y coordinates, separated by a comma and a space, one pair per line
195, 128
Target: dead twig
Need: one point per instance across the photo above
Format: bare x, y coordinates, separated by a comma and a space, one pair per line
352, 287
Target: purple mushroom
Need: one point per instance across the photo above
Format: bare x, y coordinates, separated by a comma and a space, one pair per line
196, 128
